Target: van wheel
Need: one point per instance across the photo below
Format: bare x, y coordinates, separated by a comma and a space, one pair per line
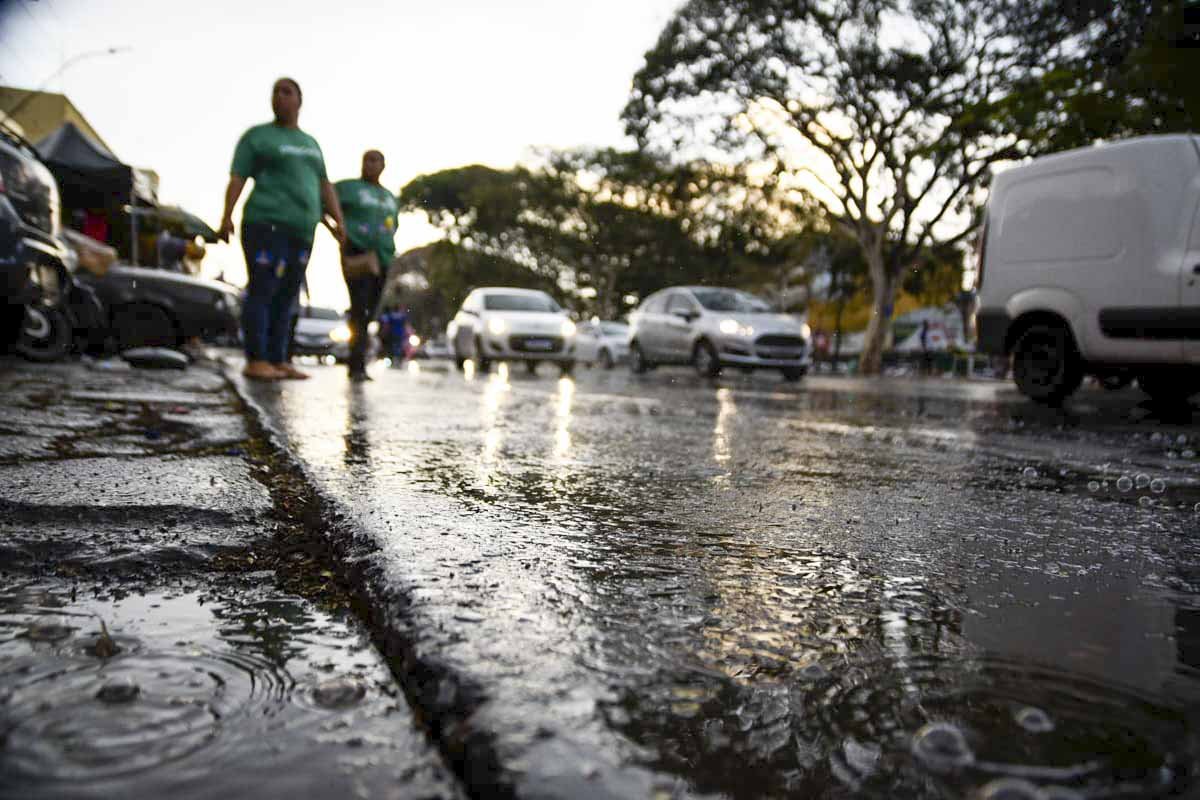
45, 334
1046, 364
1170, 386
637, 359
704, 359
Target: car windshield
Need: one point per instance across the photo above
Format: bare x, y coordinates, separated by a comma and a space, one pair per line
614, 328
322, 313
731, 300
519, 302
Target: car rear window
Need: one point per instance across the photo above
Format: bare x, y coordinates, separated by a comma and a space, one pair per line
519, 302
614, 328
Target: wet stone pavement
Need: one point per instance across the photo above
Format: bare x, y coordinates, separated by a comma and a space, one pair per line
166, 628
660, 586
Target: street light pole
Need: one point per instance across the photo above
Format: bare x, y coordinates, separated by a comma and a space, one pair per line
107, 51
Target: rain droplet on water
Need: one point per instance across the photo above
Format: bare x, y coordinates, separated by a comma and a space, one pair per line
1009, 789
1034, 720
1143, 480
941, 746
1029, 473
1158, 486
1093, 486
1124, 483
1145, 502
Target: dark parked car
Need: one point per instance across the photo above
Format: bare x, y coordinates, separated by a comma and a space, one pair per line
33, 260
152, 307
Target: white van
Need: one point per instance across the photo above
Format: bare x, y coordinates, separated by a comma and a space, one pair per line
1089, 263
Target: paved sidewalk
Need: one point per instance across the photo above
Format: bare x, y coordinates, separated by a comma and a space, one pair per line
168, 623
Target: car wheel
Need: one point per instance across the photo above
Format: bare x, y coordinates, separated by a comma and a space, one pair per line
566, 368
482, 362
606, 359
143, 325
793, 374
637, 359
531, 367
705, 360
459, 363
1172, 386
45, 334
1046, 364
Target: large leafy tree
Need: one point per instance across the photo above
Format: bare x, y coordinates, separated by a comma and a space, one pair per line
880, 110
605, 224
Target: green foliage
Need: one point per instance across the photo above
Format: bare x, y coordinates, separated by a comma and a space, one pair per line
615, 223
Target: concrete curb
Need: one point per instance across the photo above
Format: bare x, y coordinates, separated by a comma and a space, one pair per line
443, 699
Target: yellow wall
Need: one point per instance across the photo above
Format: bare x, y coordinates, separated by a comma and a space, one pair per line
41, 114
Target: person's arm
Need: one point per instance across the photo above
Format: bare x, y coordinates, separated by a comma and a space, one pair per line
232, 192
333, 210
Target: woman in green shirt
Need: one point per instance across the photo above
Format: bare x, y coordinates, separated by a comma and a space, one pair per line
278, 223
370, 213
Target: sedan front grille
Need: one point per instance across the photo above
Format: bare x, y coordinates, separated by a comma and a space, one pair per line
779, 347
535, 344
776, 340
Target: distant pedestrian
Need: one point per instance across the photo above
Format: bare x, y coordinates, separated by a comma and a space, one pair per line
278, 223
396, 332
926, 355
370, 213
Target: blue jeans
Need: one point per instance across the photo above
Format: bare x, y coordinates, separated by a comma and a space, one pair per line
275, 263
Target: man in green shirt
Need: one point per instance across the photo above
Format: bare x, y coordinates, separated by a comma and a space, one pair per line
278, 223
370, 213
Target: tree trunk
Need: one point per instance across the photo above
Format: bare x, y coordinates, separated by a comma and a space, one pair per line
883, 286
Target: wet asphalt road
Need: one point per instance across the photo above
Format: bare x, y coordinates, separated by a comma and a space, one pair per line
663, 586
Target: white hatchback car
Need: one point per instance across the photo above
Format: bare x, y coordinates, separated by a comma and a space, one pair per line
602, 342
503, 324
712, 327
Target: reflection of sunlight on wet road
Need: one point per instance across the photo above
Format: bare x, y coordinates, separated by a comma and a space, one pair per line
469, 370
494, 393
414, 368
726, 411
562, 432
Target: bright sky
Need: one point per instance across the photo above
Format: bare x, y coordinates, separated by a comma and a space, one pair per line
432, 85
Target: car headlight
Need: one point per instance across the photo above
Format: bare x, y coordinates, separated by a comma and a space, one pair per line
340, 334
414, 340
497, 326
805, 331
731, 327
372, 328
567, 328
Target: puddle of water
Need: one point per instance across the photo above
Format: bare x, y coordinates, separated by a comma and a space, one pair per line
189, 694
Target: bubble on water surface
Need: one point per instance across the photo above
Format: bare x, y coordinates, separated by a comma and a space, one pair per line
1093, 486
1124, 483
1145, 502
1029, 473
1158, 486
1034, 720
1142, 480
941, 746
339, 693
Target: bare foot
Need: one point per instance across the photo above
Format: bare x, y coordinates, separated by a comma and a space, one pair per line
289, 373
261, 371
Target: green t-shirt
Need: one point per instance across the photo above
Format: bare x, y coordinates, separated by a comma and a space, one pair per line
288, 169
370, 214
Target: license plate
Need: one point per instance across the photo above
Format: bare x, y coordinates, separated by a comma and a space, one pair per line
538, 344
